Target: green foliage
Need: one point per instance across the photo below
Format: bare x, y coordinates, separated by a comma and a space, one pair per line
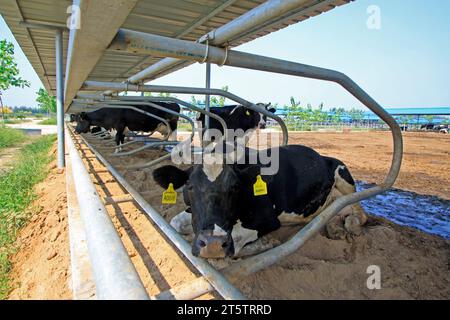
46, 102
299, 117
429, 119
16, 195
356, 114
8, 68
49, 121
165, 95
337, 113
10, 137
215, 101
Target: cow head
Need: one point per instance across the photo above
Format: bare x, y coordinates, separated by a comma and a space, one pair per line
83, 123
213, 193
262, 123
249, 119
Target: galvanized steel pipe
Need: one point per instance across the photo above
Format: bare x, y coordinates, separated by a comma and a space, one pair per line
114, 273
60, 97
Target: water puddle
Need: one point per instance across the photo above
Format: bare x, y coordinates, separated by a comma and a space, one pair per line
426, 213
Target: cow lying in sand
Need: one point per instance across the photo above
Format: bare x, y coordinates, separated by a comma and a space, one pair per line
225, 215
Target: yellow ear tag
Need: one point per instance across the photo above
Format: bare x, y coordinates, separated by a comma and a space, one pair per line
247, 113
260, 187
169, 196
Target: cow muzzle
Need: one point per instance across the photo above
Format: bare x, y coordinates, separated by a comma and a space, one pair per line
209, 246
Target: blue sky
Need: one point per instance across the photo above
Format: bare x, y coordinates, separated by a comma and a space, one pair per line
406, 63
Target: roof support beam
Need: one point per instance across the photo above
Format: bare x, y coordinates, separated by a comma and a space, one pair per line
47, 84
98, 23
197, 23
268, 11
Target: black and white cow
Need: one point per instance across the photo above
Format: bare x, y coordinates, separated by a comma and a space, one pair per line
226, 215
120, 119
238, 117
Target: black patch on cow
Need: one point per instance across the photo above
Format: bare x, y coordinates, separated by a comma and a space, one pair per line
345, 174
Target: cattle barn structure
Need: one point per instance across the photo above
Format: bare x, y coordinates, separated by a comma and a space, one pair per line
85, 52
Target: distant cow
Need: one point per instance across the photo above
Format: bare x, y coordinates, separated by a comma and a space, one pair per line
73, 117
226, 215
237, 117
119, 119
427, 127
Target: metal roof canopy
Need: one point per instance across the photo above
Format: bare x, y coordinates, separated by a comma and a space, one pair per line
100, 20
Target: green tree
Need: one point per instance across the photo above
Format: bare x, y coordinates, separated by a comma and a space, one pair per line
429, 119
215, 101
46, 102
356, 114
9, 72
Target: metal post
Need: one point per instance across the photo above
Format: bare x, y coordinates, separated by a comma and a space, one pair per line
60, 97
208, 97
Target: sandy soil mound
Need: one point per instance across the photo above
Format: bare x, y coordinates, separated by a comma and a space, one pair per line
412, 265
41, 266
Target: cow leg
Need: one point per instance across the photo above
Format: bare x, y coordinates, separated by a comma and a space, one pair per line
350, 221
173, 136
262, 244
119, 137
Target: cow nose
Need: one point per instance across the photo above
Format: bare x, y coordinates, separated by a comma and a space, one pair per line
212, 247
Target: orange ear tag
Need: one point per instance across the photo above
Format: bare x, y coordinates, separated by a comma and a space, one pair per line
169, 196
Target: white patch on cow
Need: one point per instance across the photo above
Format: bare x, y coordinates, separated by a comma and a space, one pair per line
232, 111
241, 236
343, 186
212, 165
218, 231
288, 219
162, 128
173, 136
182, 223
262, 122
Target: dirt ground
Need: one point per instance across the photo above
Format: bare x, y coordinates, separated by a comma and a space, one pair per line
426, 157
413, 265
41, 266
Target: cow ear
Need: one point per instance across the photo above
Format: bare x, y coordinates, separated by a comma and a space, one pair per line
83, 116
170, 174
247, 173
248, 112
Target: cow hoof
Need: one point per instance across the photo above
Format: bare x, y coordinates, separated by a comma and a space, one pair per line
352, 225
335, 229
